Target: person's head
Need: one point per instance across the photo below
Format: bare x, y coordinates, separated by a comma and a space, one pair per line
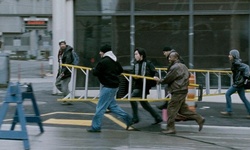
167, 50
62, 44
173, 56
234, 54
104, 49
140, 54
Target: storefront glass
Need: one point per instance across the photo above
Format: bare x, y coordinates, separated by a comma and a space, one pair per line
218, 26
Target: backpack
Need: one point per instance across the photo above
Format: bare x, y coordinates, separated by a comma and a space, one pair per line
75, 58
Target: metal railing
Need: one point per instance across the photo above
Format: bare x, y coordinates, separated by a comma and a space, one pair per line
207, 75
83, 95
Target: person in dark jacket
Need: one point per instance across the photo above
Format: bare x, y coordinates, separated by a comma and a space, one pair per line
177, 79
166, 52
64, 75
240, 75
107, 71
143, 67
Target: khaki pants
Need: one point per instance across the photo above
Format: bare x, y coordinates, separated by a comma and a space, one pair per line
177, 105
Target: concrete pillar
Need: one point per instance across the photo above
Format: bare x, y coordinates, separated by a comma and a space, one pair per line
69, 22
33, 43
62, 26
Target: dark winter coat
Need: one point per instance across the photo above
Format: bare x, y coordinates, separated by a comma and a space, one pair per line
67, 58
144, 68
107, 70
240, 73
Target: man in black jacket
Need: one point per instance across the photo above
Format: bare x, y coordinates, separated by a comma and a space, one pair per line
64, 75
108, 70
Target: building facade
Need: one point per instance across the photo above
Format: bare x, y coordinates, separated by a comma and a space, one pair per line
202, 32
26, 28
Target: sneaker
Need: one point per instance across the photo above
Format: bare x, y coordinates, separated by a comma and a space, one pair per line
225, 113
66, 103
92, 130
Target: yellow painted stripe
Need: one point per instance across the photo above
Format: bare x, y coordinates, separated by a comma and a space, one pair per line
71, 113
69, 122
123, 125
80, 122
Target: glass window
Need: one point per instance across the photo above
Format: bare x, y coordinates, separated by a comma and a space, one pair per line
104, 6
219, 26
221, 5
215, 36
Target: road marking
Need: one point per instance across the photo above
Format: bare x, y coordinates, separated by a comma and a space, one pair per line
68, 122
80, 122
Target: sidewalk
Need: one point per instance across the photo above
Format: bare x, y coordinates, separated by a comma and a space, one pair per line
211, 137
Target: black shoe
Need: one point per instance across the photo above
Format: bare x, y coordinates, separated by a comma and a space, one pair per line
92, 130
135, 120
129, 124
157, 121
164, 106
66, 103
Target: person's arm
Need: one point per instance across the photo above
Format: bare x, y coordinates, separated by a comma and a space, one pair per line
97, 70
153, 72
171, 75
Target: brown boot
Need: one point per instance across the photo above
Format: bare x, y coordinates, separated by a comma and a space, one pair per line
169, 131
201, 123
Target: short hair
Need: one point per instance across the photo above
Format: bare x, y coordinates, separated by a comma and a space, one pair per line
175, 54
167, 48
62, 41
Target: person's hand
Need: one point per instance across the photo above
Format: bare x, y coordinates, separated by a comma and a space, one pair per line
157, 79
61, 75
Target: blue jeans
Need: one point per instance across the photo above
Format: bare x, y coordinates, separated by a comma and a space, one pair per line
241, 93
107, 101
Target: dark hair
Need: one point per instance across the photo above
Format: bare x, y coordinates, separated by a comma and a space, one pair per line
141, 51
167, 48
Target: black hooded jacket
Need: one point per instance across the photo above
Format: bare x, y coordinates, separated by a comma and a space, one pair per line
108, 70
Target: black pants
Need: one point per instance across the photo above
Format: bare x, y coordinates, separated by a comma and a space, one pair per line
144, 104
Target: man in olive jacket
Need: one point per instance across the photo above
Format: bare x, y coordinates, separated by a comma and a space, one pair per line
177, 79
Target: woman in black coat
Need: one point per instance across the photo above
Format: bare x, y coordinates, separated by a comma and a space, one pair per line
144, 68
